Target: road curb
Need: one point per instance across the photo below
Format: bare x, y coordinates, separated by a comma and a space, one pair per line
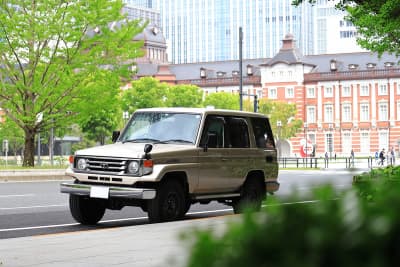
32, 175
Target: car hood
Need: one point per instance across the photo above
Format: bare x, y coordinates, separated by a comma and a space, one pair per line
130, 150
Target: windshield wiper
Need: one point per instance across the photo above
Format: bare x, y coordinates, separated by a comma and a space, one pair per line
177, 141
142, 140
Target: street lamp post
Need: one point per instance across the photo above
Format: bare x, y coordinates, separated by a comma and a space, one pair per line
279, 127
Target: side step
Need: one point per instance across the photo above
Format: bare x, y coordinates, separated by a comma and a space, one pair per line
216, 196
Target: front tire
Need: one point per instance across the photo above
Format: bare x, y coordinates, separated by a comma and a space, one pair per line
85, 210
252, 195
169, 203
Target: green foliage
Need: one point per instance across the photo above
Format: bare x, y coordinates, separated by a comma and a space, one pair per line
184, 95
147, 92
222, 100
283, 112
331, 231
371, 184
50, 52
99, 116
377, 23
15, 136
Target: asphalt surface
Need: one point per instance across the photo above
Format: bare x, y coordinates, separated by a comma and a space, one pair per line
52, 238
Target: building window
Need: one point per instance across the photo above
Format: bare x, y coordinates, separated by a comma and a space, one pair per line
364, 143
346, 113
346, 143
346, 91
364, 112
290, 73
328, 113
383, 112
328, 92
311, 115
329, 143
398, 110
364, 90
383, 139
382, 89
310, 92
289, 92
272, 93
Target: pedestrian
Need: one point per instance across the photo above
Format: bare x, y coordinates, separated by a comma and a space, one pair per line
392, 153
352, 157
382, 157
326, 159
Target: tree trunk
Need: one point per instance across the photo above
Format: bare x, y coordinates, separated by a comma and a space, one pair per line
29, 151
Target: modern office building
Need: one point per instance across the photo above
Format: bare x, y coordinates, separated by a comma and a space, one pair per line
208, 30
149, 15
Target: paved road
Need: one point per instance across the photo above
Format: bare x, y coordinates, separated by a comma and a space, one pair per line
33, 208
136, 244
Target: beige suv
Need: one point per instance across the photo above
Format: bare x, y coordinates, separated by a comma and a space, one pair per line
166, 159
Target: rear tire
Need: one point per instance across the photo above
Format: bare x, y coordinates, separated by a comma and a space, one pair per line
169, 203
252, 195
85, 210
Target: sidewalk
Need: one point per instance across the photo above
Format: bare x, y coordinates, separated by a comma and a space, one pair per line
32, 174
143, 245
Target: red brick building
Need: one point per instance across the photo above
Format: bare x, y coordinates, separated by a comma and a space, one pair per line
347, 101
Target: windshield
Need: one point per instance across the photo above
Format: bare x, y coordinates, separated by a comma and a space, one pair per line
161, 127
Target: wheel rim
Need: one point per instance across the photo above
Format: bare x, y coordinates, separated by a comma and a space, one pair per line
171, 206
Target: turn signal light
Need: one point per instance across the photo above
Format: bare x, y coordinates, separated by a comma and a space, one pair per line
71, 159
148, 163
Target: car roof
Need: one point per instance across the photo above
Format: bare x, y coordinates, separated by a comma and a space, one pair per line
204, 111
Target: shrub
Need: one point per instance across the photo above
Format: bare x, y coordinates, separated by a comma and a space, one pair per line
369, 184
345, 231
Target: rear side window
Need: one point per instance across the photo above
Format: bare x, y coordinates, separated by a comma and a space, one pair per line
262, 133
215, 127
238, 132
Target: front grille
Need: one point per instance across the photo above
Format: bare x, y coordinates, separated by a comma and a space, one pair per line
106, 165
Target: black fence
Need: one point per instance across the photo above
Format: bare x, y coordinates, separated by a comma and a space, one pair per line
346, 163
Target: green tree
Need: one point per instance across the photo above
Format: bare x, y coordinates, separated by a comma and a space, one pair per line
15, 136
222, 100
184, 95
377, 23
99, 116
50, 51
283, 112
147, 92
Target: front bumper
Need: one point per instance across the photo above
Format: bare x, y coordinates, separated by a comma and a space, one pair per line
111, 191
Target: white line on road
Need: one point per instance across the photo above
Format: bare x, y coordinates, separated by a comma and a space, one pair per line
141, 218
35, 207
24, 195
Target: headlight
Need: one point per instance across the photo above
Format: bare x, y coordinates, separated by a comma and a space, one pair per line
81, 164
133, 167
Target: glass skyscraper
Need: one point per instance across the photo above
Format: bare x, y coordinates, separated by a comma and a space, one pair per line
208, 30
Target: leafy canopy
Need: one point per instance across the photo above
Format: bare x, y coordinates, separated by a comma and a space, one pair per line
50, 51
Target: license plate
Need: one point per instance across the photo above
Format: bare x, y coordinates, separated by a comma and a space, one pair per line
99, 192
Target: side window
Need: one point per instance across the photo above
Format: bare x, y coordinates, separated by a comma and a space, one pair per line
214, 132
238, 132
262, 133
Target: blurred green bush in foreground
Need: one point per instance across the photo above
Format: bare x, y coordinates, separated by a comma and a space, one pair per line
344, 230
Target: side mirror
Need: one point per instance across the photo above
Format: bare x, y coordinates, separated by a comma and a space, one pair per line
115, 136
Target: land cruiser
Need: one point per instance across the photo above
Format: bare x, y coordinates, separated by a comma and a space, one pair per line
166, 159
